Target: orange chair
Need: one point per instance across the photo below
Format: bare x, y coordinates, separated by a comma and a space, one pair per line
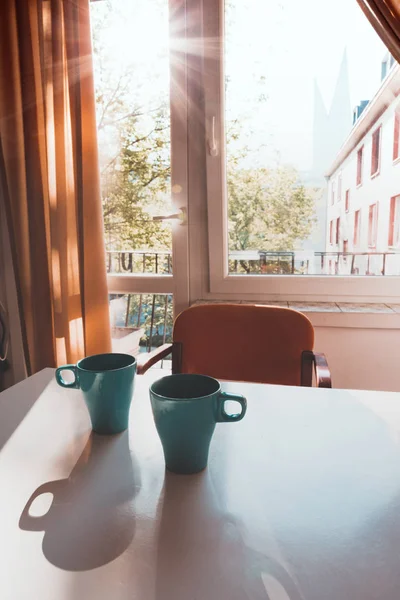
243, 342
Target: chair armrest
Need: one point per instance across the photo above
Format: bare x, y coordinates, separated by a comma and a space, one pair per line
146, 360
322, 373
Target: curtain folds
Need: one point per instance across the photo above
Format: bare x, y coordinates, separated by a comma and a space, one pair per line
49, 179
384, 16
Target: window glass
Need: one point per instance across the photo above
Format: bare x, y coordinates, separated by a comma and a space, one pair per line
298, 96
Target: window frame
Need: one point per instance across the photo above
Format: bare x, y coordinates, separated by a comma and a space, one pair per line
221, 283
356, 228
337, 233
339, 187
333, 189
377, 132
373, 212
396, 135
394, 215
347, 201
360, 166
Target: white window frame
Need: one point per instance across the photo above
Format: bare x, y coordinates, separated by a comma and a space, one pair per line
269, 287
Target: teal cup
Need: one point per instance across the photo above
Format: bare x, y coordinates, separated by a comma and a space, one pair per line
107, 382
186, 409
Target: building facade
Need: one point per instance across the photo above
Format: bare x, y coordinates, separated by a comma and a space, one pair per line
363, 200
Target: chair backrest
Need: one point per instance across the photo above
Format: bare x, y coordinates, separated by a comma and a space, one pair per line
243, 342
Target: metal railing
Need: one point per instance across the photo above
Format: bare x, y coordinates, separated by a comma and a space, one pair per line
139, 261
151, 314
315, 263
260, 262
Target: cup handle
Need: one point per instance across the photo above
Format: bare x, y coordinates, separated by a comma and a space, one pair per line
223, 415
59, 378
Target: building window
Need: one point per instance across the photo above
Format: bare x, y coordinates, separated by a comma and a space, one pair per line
347, 201
360, 157
339, 188
372, 225
394, 222
337, 230
396, 134
331, 232
333, 192
376, 150
345, 246
357, 221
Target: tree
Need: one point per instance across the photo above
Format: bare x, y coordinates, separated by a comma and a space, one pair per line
134, 136
268, 209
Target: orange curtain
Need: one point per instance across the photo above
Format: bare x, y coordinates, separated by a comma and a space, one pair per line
384, 16
49, 179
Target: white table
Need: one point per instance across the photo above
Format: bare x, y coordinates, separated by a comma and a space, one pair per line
301, 501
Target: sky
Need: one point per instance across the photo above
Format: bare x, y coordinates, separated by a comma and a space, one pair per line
275, 49
292, 44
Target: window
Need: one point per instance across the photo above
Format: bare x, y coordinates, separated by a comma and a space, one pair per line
347, 201
357, 222
376, 150
331, 232
345, 246
272, 162
372, 225
394, 222
339, 188
360, 159
138, 122
396, 134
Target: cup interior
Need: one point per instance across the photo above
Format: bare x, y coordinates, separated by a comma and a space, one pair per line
185, 386
106, 362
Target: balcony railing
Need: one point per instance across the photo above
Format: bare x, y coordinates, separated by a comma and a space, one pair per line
139, 261
259, 262
150, 315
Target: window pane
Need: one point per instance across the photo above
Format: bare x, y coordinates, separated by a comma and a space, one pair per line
131, 62
302, 103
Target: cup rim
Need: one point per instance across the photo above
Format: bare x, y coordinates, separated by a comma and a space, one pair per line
78, 364
173, 375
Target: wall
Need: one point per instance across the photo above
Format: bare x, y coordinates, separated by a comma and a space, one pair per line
366, 359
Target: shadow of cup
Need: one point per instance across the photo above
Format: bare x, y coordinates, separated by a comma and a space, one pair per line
90, 521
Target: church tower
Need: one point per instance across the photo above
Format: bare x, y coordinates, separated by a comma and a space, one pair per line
330, 129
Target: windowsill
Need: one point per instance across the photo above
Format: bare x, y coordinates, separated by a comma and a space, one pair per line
336, 314
396, 161
373, 175
358, 185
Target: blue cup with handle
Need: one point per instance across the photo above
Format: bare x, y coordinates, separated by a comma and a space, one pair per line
107, 383
186, 408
